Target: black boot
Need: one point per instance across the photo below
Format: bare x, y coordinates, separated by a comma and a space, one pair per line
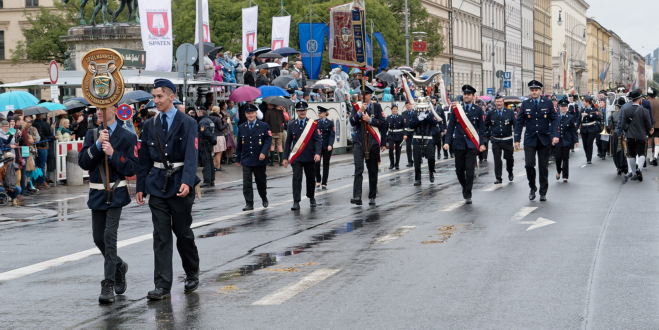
157, 294
272, 158
248, 207
107, 292
191, 283
296, 206
120, 278
312, 202
281, 157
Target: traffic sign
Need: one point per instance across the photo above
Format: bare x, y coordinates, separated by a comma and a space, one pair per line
124, 112
53, 72
507, 84
507, 75
187, 53
490, 91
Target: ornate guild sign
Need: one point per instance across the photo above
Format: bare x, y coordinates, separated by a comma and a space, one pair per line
102, 84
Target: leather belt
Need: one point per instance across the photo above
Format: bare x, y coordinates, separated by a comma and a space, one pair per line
589, 124
162, 166
502, 138
101, 186
396, 130
423, 137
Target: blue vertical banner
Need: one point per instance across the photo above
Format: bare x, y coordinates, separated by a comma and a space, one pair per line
369, 51
384, 60
312, 44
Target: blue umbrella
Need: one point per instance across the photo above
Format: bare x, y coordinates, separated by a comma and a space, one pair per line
78, 99
135, 97
272, 91
51, 106
16, 100
286, 51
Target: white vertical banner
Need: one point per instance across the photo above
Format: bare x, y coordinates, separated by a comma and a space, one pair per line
250, 20
206, 26
157, 41
281, 28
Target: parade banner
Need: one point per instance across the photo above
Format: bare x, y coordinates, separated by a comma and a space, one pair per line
157, 41
250, 20
281, 27
347, 38
369, 52
384, 60
206, 26
312, 43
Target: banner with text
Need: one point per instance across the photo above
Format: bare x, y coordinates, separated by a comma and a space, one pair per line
312, 43
250, 20
281, 28
205, 27
156, 24
384, 59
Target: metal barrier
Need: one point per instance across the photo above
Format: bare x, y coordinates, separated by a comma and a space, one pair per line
61, 149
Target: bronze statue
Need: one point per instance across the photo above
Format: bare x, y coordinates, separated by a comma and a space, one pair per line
102, 7
132, 11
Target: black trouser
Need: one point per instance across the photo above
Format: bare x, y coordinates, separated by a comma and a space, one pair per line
423, 148
465, 164
507, 149
562, 157
206, 155
371, 166
543, 161
394, 148
325, 157
588, 138
298, 168
261, 183
167, 215
104, 230
408, 149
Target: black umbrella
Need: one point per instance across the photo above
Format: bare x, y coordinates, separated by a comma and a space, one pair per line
270, 55
34, 110
208, 47
214, 51
260, 51
135, 97
286, 51
386, 77
279, 101
282, 81
269, 65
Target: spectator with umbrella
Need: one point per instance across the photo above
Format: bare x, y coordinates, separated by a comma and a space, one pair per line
250, 76
240, 68
262, 78
276, 117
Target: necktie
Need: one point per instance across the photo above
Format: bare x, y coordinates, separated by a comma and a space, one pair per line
251, 125
500, 113
163, 118
301, 123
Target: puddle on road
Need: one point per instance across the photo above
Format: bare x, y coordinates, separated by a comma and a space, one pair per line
218, 232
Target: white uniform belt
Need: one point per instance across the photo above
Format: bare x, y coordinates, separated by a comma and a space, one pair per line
409, 130
422, 137
589, 124
397, 130
502, 138
162, 166
101, 186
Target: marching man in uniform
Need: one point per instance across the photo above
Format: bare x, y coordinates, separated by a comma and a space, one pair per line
168, 175
119, 145
466, 136
302, 151
425, 126
569, 137
500, 126
327, 135
252, 145
395, 133
541, 121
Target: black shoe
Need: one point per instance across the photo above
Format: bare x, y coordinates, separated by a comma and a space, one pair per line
468, 201
565, 180
417, 183
265, 203
532, 194
409, 165
619, 172
558, 176
589, 162
498, 181
398, 168
543, 198
323, 187
639, 176
248, 207
312, 202
511, 177
391, 167
296, 206
157, 294
627, 177
371, 201
432, 178
191, 283
107, 292
654, 162
355, 201
120, 278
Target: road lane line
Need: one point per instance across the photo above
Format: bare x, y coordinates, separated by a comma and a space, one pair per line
41, 266
282, 295
398, 233
523, 212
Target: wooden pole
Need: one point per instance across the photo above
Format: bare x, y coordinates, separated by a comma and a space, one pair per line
105, 156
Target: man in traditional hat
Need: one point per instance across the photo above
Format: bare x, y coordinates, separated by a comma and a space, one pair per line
654, 111
302, 151
168, 173
636, 124
542, 122
466, 137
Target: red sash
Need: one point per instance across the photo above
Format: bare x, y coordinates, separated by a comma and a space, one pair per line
375, 132
303, 140
467, 126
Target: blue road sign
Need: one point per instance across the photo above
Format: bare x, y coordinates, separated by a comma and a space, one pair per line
507, 75
490, 91
507, 84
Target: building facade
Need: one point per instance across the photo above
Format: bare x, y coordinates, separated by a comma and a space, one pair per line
528, 66
514, 47
493, 48
542, 43
569, 44
598, 56
467, 43
441, 9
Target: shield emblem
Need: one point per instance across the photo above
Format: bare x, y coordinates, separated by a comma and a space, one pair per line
345, 34
251, 41
158, 23
102, 86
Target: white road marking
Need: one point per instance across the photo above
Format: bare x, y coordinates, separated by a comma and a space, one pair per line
494, 187
452, 206
540, 222
282, 295
41, 266
523, 212
395, 235
57, 200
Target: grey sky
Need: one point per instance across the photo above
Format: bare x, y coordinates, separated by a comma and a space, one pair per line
635, 21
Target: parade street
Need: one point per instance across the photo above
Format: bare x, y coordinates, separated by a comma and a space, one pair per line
586, 258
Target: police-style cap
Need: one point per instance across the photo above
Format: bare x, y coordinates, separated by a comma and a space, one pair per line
251, 108
161, 82
301, 106
635, 94
620, 101
322, 109
467, 89
564, 102
498, 97
535, 84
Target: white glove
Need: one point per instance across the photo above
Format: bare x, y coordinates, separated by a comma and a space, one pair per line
422, 116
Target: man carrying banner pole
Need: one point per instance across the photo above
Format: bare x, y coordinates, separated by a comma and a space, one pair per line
302, 151
466, 136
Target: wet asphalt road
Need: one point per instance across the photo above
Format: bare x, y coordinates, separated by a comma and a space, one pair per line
587, 258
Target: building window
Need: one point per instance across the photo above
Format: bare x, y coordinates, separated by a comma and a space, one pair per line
2, 4
2, 45
31, 3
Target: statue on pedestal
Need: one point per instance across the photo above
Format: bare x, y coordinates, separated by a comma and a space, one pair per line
102, 7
